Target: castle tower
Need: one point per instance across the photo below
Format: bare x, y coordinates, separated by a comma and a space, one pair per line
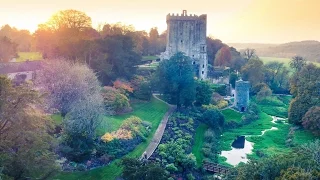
187, 34
241, 98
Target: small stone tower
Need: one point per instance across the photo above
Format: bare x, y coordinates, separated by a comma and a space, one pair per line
241, 98
187, 34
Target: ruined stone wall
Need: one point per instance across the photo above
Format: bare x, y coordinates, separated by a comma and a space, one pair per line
241, 101
187, 34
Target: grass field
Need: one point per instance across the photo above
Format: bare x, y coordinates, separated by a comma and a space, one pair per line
231, 115
152, 111
285, 61
146, 58
198, 142
275, 105
31, 56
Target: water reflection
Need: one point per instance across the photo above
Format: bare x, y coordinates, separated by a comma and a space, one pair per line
236, 155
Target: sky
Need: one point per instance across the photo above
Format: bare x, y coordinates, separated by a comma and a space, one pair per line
232, 21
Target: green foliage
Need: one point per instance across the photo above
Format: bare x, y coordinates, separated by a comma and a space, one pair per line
253, 71
297, 63
264, 92
277, 77
8, 49
114, 101
135, 169
294, 173
305, 88
231, 115
175, 78
213, 118
203, 93
171, 168
26, 145
119, 60
141, 88
286, 166
311, 120
232, 79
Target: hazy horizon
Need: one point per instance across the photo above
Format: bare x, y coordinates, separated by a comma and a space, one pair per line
232, 21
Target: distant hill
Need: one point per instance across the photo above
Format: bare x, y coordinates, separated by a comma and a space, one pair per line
307, 49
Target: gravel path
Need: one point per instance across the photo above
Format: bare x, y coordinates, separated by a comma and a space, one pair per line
159, 133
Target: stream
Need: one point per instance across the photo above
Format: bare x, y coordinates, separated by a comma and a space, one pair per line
241, 147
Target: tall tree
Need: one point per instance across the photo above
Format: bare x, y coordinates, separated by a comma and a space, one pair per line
253, 71
213, 46
68, 28
118, 58
8, 49
26, 147
277, 77
176, 79
153, 41
249, 54
74, 90
223, 57
297, 63
311, 120
305, 88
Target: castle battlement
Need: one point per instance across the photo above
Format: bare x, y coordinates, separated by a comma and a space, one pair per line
187, 34
185, 17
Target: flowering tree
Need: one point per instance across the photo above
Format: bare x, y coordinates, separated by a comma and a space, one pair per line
74, 90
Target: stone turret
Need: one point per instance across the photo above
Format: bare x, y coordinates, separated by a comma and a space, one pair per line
241, 99
187, 34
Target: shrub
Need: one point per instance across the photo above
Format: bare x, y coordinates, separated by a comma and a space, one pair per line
190, 177
107, 137
81, 167
222, 104
209, 135
114, 100
171, 168
311, 120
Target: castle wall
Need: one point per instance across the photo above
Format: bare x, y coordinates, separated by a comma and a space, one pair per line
187, 34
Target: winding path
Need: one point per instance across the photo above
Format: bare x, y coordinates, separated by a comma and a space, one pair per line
159, 133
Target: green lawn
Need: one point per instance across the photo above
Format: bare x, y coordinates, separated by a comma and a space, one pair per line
275, 105
285, 61
231, 115
145, 58
32, 56
57, 118
254, 128
198, 142
152, 111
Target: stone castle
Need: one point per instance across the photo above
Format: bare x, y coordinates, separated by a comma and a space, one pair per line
241, 96
187, 34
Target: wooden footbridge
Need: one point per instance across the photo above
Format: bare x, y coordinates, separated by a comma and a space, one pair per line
215, 168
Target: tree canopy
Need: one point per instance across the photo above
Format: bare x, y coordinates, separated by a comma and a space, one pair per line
175, 79
26, 147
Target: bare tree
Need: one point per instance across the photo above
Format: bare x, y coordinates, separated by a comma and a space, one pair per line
249, 53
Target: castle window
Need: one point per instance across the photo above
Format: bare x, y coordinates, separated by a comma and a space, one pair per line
192, 55
203, 66
202, 72
202, 48
181, 41
193, 62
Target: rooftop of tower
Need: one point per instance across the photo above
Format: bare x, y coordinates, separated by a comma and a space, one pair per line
185, 16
